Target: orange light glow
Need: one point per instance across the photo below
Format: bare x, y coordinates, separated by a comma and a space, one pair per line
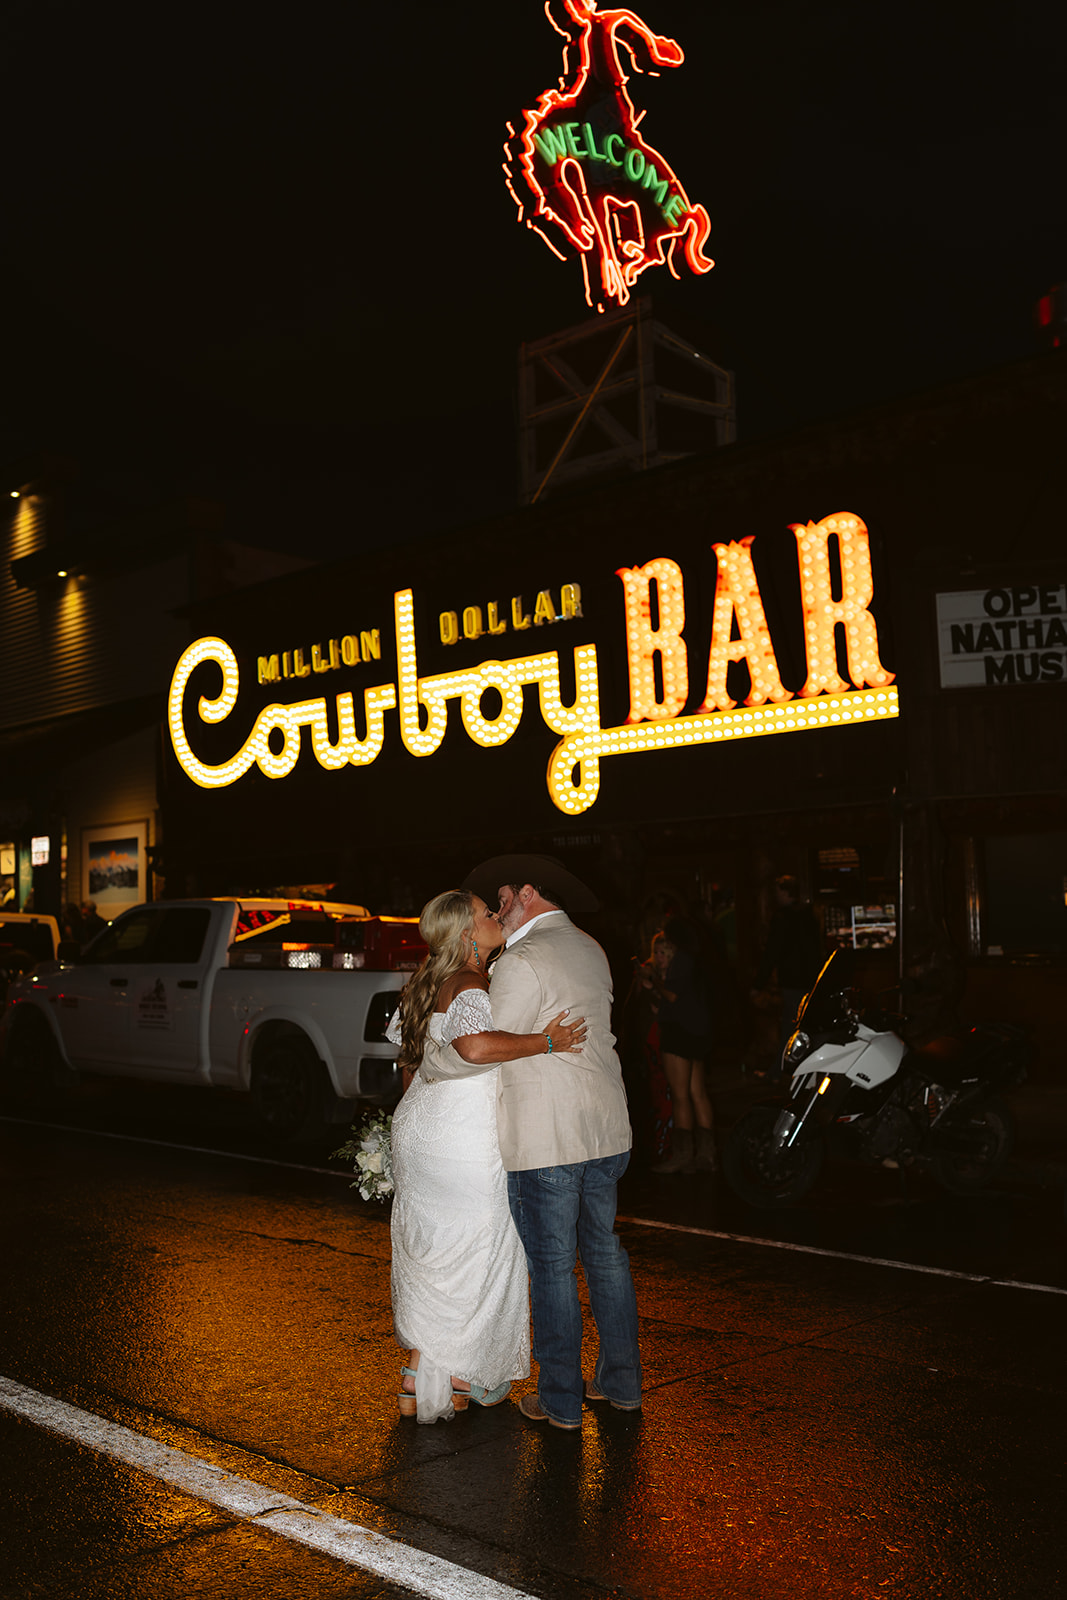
574, 766
737, 595
617, 202
288, 720
644, 642
657, 659
822, 612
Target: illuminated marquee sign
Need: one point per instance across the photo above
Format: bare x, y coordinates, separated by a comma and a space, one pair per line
590, 174
656, 719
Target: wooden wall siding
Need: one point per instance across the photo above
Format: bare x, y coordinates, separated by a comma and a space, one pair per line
83, 642
23, 533
999, 741
116, 784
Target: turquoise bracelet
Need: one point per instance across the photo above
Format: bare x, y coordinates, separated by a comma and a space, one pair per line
548, 1036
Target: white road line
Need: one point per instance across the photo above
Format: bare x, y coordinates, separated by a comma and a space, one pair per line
636, 1222
844, 1255
166, 1144
277, 1513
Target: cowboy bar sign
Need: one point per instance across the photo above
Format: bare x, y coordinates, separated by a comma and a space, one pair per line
659, 667
586, 169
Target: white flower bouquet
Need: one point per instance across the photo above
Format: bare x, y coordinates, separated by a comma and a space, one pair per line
371, 1153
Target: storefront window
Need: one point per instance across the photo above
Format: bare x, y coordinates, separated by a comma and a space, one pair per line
1024, 908
856, 911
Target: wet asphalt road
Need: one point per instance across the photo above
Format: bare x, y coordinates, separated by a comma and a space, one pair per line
814, 1425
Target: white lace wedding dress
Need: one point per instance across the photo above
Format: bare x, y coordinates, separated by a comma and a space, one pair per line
460, 1288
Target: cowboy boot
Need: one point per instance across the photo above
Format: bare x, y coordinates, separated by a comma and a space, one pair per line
681, 1152
704, 1158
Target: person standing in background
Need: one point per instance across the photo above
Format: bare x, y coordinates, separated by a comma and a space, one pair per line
685, 1043
646, 1082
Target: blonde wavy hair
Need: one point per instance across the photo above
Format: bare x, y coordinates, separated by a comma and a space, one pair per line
443, 923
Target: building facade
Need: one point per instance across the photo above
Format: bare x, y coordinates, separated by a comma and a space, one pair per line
91, 620
839, 654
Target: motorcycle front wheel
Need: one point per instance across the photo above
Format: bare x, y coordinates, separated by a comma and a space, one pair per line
979, 1145
762, 1175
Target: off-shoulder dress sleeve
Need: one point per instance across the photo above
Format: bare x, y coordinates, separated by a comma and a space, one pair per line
469, 1012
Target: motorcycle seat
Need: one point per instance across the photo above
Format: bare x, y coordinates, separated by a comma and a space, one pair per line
938, 1060
995, 1050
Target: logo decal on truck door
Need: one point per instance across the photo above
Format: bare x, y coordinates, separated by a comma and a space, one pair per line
153, 1009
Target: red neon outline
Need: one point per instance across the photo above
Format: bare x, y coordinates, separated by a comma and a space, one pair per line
547, 240
511, 192
591, 219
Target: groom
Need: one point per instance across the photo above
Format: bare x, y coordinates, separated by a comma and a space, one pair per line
564, 1135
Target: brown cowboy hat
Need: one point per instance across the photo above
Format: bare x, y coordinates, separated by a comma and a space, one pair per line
543, 872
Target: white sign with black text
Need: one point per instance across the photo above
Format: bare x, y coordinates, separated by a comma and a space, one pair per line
993, 636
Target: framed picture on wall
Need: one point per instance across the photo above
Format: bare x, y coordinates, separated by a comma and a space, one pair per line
115, 866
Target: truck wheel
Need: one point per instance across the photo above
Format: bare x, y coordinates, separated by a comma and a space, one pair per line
762, 1175
35, 1074
289, 1090
978, 1146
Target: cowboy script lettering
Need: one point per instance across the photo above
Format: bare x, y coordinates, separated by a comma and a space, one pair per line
659, 666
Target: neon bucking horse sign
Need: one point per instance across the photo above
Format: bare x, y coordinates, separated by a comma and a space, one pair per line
616, 201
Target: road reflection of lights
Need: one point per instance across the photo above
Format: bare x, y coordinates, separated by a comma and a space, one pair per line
254, 1503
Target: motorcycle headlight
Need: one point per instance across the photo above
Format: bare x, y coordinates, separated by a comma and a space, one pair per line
798, 1047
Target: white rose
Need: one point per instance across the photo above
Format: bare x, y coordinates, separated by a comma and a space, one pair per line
373, 1163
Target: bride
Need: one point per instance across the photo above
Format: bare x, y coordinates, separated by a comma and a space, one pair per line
459, 1277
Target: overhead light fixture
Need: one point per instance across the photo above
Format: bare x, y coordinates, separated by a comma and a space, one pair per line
14, 494
62, 573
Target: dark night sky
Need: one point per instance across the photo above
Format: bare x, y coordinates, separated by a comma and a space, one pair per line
268, 255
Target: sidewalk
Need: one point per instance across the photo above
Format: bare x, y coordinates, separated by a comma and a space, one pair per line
1040, 1111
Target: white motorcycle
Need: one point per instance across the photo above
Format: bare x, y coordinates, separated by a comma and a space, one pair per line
859, 1092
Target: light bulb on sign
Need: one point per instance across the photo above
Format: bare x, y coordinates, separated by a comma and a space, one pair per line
737, 595
822, 612
644, 641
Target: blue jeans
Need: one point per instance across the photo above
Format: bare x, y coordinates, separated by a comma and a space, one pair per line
565, 1213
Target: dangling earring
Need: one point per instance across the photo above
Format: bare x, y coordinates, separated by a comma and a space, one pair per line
477, 957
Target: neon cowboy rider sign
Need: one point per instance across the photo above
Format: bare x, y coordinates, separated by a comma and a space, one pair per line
580, 165
658, 663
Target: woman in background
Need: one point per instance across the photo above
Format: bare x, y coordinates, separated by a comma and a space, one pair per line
646, 1081
676, 975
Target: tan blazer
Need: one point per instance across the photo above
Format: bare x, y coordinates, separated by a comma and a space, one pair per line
555, 1109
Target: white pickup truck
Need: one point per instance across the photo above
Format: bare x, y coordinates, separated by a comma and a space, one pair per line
287, 1001
25, 939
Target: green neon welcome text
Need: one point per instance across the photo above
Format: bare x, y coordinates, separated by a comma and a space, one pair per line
575, 140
